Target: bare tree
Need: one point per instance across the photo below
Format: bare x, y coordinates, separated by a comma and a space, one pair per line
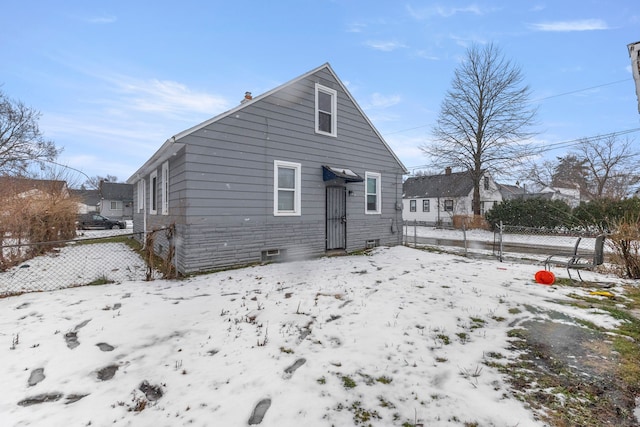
484, 119
94, 181
540, 175
21, 141
611, 165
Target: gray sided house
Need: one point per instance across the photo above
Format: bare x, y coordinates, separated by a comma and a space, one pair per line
88, 200
436, 199
116, 200
296, 172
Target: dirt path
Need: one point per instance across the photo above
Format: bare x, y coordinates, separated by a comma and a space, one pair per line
570, 373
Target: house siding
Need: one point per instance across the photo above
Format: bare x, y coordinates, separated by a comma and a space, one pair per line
221, 183
461, 205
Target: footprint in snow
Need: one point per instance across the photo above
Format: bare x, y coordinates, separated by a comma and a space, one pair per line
103, 346
82, 324
71, 339
36, 376
40, 398
107, 372
151, 392
259, 411
291, 369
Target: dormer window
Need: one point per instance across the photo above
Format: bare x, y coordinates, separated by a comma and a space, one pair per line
326, 110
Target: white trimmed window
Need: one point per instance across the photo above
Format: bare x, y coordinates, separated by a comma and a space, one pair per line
286, 188
153, 193
448, 205
412, 205
372, 191
326, 110
141, 195
426, 206
116, 205
165, 188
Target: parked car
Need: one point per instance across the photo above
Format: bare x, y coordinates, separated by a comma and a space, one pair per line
96, 221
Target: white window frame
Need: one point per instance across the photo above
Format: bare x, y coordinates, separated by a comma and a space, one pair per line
165, 188
334, 110
448, 205
378, 193
412, 205
297, 190
153, 193
141, 189
426, 203
118, 205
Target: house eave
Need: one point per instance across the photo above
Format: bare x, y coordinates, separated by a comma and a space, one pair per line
169, 149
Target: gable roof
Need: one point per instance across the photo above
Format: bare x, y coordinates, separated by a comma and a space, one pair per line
18, 185
87, 197
455, 184
116, 191
172, 145
510, 191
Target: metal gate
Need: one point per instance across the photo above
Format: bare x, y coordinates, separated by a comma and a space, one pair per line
336, 218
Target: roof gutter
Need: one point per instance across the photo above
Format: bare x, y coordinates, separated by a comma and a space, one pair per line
167, 150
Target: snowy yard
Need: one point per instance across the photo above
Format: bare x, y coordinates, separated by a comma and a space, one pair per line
392, 338
76, 265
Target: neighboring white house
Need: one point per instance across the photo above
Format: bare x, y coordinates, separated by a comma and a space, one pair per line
570, 196
435, 199
88, 200
116, 200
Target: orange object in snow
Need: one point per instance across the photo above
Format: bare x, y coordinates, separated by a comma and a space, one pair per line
545, 277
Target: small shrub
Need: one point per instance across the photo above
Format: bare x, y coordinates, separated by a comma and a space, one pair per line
384, 380
625, 242
444, 339
347, 382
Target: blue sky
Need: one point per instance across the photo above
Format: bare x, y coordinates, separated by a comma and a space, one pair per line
114, 79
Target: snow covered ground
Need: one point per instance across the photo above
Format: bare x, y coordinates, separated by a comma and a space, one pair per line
76, 265
488, 236
397, 336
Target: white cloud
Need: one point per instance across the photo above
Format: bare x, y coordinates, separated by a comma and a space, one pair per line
445, 12
567, 26
385, 46
426, 55
356, 27
378, 100
165, 96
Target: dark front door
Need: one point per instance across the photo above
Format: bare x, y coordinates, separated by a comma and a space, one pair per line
336, 218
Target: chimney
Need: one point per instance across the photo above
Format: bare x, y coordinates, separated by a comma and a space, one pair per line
247, 97
447, 170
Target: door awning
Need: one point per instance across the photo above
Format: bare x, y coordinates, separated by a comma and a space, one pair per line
330, 173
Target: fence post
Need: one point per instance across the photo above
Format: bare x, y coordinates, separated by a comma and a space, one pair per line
500, 237
415, 233
464, 237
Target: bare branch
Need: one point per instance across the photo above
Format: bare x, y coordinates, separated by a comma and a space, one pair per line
485, 118
21, 141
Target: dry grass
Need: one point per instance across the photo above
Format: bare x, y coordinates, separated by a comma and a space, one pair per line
32, 218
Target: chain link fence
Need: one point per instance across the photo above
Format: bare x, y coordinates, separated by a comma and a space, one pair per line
93, 258
506, 242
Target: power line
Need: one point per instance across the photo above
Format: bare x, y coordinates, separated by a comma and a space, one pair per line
556, 145
580, 90
563, 144
534, 100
